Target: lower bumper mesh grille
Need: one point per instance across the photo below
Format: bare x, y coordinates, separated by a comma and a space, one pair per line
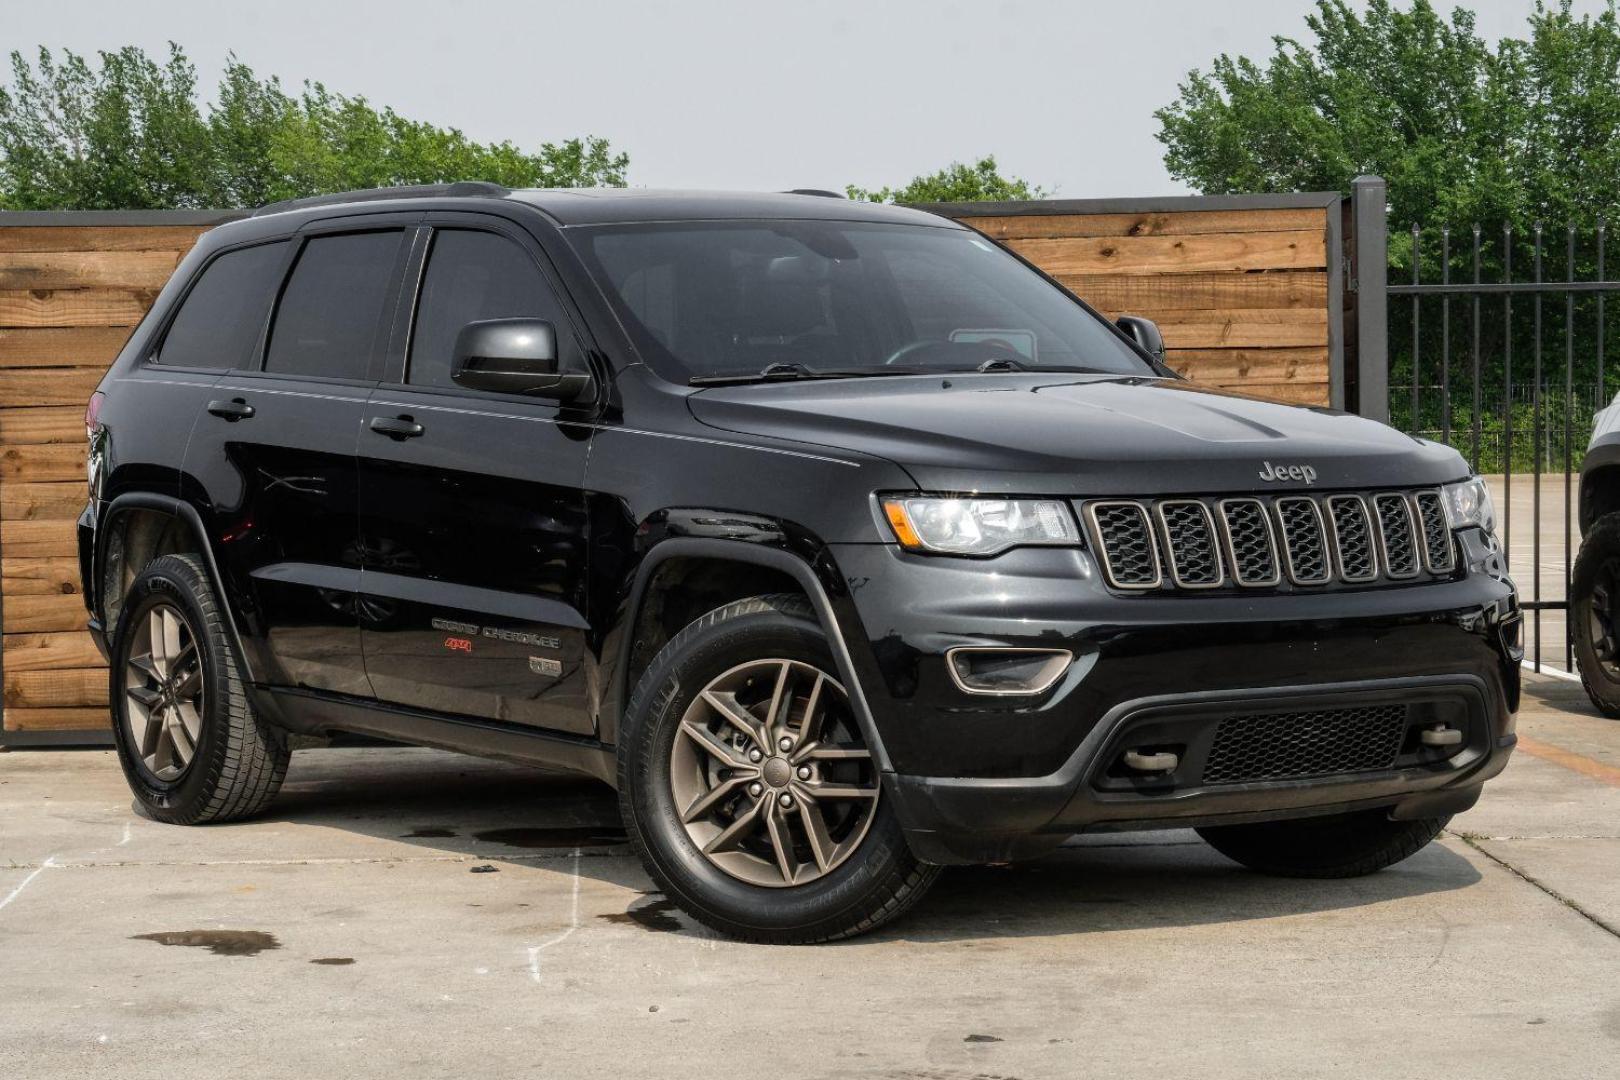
1326, 742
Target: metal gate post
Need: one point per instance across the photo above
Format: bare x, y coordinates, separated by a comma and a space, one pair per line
1370, 275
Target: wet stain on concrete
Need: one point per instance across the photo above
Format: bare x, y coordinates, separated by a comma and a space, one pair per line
559, 836
333, 961
981, 1039
430, 832
658, 915
218, 942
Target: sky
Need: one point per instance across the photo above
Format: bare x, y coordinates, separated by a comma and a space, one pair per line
750, 96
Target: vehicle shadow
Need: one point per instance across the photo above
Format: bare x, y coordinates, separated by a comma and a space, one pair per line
497, 813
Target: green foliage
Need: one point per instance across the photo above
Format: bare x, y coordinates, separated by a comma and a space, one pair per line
956, 182
130, 134
1462, 130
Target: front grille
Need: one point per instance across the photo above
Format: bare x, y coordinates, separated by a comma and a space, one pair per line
1326, 742
1305, 541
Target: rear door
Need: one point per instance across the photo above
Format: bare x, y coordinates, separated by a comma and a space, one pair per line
474, 527
274, 455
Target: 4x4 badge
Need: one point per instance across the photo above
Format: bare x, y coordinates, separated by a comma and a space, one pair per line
1274, 473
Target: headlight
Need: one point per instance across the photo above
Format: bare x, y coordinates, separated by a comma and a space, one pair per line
978, 526
1469, 503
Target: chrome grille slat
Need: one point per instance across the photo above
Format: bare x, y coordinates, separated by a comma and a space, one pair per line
1439, 554
1304, 541
1190, 545
1397, 535
1253, 542
1352, 538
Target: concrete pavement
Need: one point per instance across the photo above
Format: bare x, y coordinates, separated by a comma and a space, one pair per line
405, 913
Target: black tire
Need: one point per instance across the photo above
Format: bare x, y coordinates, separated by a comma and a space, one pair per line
877, 882
1595, 579
1340, 846
238, 761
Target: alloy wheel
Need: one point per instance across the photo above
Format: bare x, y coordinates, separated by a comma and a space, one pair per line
770, 776
163, 690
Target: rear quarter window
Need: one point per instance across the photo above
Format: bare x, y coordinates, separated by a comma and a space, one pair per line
221, 317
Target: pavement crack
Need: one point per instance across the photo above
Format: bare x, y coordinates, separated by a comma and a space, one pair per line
1595, 920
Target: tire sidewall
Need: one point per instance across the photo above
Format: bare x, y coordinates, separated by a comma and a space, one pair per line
1601, 544
167, 581
673, 682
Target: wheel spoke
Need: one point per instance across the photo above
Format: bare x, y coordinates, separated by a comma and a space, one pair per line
732, 834
146, 696
705, 803
151, 726
180, 740
146, 666
713, 743
157, 642
189, 684
815, 828
781, 841
781, 698
191, 721
810, 726
727, 706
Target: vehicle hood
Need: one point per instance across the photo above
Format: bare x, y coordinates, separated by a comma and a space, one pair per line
1077, 434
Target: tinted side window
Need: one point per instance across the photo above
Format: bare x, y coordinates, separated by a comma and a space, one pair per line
330, 312
473, 276
219, 321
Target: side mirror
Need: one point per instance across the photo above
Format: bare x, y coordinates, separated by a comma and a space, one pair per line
1145, 332
515, 356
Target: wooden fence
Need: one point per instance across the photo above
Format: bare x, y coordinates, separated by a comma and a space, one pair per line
1246, 290
72, 287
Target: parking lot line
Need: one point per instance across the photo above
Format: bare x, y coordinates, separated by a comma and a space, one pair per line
1597, 770
49, 862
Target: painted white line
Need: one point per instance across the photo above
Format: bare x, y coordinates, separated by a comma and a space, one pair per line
40, 869
573, 924
125, 840
1529, 665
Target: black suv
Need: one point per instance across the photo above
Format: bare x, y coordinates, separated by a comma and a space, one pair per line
844, 543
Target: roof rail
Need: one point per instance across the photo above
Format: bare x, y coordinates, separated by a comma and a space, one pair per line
819, 192
460, 189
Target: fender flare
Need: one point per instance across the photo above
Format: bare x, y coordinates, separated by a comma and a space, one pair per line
1602, 456
182, 511
775, 559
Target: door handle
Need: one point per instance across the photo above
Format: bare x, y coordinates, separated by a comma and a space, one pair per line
232, 410
398, 428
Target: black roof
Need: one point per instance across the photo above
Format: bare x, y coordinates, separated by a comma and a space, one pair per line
594, 206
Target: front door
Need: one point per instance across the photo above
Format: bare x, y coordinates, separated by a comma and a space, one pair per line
274, 459
472, 513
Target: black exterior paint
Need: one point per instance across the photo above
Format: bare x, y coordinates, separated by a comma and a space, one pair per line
414, 587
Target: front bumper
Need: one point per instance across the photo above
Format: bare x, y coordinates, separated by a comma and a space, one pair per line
986, 779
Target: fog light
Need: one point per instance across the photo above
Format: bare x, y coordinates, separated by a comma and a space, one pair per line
1007, 671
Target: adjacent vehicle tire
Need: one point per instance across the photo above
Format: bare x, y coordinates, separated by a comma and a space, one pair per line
1594, 623
1340, 846
189, 741
748, 789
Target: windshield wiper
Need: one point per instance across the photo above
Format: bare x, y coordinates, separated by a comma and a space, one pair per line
785, 371
1001, 363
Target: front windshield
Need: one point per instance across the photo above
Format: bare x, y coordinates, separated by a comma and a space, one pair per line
732, 298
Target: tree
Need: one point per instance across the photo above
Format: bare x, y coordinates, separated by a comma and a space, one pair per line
1462, 130
954, 183
130, 134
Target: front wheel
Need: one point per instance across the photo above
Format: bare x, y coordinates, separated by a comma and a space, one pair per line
748, 789
1594, 596
1339, 846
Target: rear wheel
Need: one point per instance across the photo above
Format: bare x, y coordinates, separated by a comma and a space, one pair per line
1594, 593
1340, 846
191, 746
749, 790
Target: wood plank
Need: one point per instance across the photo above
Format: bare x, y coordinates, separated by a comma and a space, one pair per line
1225, 291
1185, 223
45, 613
1235, 366
177, 238
74, 307
42, 463
56, 346
42, 502
87, 269
1176, 254
56, 576
1291, 393
1259, 328
44, 689
52, 424
38, 540
81, 719
29, 387
51, 652
60, 347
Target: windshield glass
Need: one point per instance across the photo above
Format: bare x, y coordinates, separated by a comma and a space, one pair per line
730, 298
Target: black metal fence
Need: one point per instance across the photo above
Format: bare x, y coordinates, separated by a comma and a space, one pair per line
1496, 344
